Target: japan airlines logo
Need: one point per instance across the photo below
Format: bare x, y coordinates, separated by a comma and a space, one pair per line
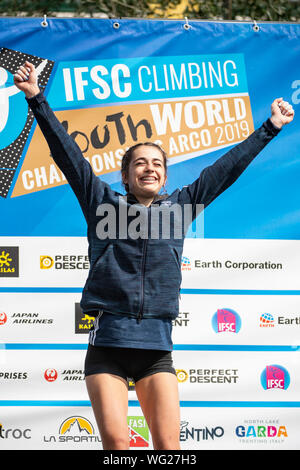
50, 375
3, 318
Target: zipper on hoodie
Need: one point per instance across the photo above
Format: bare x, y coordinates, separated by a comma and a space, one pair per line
140, 314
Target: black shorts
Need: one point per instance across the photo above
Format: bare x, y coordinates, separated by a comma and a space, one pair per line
128, 363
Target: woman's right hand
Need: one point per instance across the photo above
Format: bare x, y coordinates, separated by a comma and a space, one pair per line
25, 80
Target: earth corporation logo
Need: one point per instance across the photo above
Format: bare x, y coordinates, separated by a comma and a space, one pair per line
226, 320
185, 264
275, 377
266, 320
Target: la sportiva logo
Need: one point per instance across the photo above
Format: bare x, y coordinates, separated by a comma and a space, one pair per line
74, 429
275, 376
226, 320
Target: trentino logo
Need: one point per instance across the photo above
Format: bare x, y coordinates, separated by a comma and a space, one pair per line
275, 376
226, 320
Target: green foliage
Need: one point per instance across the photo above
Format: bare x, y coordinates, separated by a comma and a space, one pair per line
263, 10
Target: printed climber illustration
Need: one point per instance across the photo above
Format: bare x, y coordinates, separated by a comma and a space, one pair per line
7, 90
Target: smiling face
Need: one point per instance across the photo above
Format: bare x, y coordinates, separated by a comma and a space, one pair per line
146, 172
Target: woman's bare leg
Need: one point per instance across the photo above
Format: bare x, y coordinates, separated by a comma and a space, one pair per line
159, 399
109, 398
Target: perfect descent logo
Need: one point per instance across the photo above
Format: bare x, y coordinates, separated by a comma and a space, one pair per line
275, 377
15, 126
226, 320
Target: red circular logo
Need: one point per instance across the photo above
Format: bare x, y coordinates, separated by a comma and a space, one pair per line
50, 375
3, 318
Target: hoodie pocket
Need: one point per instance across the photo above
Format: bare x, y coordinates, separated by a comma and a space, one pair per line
98, 263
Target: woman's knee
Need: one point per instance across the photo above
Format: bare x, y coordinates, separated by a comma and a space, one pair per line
115, 441
166, 442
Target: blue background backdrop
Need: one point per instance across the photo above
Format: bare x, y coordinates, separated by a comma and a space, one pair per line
263, 203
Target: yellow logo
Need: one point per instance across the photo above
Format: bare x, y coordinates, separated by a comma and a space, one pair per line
4, 259
88, 319
46, 262
76, 424
182, 375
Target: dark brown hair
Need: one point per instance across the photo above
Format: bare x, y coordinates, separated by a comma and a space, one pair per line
128, 156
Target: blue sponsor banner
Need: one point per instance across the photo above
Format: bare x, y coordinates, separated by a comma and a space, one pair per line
89, 64
98, 82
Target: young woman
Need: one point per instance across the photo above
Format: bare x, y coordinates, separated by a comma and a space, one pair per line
134, 282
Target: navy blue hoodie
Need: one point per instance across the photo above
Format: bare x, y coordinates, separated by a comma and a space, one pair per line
138, 277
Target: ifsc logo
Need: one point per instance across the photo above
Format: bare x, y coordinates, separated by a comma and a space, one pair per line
275, 376
11, 98
226, 320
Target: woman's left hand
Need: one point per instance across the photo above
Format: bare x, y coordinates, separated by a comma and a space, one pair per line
282, 112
